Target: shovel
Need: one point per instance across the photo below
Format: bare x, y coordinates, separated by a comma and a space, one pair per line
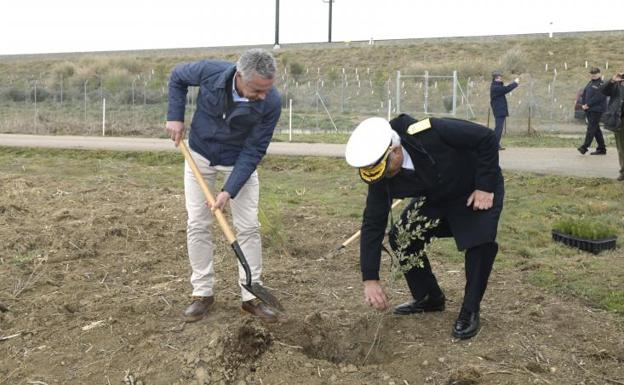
356, 235
254, 288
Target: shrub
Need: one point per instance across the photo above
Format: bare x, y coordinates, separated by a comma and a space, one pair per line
514, 61
64, 69
296, 70
448, 103
117, 80
16, 94
583, 228
131, 65
141, 96
42, 94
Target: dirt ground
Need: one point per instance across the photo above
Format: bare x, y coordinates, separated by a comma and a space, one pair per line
95, 280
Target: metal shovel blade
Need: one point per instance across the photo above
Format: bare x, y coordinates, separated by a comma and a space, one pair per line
265, 296
262, 293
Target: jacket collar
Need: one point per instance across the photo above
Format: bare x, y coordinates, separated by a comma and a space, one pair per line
220, 84
222, 80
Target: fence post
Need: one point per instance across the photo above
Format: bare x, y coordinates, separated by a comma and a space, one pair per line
35, 97
454, 92
103, 116
133, 107
398, 93
85, 102
290, 120
426, 106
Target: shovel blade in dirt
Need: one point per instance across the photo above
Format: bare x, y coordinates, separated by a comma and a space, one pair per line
261, 292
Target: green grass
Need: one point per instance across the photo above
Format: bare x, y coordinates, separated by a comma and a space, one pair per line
329, 190
583, 228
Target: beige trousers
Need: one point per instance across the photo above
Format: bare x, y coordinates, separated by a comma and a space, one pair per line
244, 209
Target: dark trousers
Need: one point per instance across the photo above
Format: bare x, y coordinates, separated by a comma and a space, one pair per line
499, 122
478, 264
593, 131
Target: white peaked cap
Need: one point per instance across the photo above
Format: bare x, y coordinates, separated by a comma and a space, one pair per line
369, 142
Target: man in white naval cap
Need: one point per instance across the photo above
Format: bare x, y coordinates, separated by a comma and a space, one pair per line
453, 164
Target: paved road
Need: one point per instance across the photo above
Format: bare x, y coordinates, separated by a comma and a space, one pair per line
560, 161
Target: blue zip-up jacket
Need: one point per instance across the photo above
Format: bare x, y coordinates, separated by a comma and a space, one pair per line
592, 96
498, 101
226, 133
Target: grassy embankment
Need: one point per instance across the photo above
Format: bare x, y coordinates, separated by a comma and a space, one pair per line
134, 82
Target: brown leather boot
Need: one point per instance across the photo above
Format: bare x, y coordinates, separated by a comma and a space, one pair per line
198, 308
258, 309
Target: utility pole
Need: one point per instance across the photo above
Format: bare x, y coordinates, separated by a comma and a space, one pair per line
276, 46
329, 38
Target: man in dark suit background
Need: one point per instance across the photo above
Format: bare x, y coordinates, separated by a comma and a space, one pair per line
498, 102
594, 103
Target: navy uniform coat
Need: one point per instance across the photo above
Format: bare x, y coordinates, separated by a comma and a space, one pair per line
592, 96
451, 159
498, 100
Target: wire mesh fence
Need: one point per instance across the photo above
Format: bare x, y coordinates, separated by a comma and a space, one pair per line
322, 100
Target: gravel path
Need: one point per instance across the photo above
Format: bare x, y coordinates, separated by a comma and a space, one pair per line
561, 161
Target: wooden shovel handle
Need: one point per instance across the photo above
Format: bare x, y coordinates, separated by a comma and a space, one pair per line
225, 227
359, 232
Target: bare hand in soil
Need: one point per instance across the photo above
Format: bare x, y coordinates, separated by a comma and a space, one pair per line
374, 295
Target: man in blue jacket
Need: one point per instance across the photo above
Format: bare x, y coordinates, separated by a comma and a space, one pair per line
237, 110
594, 103
498, 101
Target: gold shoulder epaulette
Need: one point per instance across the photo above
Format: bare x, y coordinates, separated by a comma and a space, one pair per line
417, 127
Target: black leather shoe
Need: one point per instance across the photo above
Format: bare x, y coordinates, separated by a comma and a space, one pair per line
599, 152
421, 305
582, 150
467, 324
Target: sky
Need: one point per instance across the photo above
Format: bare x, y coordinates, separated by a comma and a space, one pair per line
49, 26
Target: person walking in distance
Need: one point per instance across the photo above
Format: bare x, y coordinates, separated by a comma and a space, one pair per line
237, 110
614, 88
498, 102
594, 103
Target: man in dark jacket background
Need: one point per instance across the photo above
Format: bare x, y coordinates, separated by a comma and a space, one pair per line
237, 110
594, 103
498, 102
453, 165
614, 88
